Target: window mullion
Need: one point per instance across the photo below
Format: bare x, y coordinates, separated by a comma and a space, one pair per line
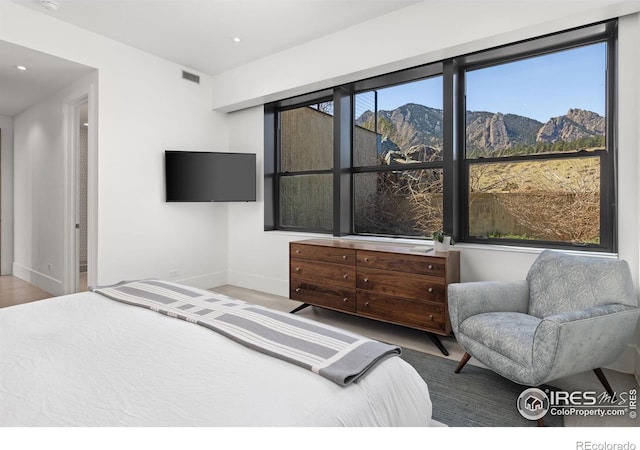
342, 197
271, 169
450, 151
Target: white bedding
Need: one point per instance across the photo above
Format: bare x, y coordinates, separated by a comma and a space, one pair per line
85, 360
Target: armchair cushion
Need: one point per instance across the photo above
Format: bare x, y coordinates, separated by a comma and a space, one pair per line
469, 299
509, 334
561, 282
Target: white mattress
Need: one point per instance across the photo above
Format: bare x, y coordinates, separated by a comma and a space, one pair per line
85, 360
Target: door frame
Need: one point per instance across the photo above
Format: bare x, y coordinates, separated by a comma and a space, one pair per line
72, 178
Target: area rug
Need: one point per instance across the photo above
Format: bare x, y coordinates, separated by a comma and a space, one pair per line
475, 397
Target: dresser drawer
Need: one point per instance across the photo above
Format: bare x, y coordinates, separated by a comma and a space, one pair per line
401, 263
400, 284
324, 273
423, 315
328, 296
334, 255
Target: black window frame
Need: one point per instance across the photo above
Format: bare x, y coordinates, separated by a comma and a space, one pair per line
272, 166
454, 163
605, 32
415, 74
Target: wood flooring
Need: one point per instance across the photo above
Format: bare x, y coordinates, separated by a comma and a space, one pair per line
14, 291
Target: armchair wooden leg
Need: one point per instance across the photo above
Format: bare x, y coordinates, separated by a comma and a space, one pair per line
605, 383
465, 358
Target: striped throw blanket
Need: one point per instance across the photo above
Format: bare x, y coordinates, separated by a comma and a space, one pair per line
336, 354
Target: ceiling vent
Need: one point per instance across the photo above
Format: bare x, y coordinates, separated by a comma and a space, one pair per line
191, 77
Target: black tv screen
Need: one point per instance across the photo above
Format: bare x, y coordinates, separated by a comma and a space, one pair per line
210, 176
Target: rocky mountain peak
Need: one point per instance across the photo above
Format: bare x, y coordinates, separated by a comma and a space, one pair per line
488, 134
577, 123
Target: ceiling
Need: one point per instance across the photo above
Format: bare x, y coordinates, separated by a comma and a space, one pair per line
198, 34
45, 75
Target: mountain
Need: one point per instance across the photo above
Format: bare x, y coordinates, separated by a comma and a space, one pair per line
415, 131
576, 124
496, 132
406, 126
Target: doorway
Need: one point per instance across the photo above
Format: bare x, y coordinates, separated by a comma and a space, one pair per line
78, 147
82, 194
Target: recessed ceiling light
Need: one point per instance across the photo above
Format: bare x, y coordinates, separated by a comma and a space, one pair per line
236, 39
19, 67
49, 5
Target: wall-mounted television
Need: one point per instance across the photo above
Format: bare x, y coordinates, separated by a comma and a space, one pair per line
192, 176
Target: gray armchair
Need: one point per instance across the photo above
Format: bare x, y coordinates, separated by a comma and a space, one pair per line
571, 314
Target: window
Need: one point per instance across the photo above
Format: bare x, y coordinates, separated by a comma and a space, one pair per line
512, 145
535, 147
397, 159
306, 164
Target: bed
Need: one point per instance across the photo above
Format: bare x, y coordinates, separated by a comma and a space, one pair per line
89, 360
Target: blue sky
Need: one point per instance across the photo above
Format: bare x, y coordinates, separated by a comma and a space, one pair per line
540, 88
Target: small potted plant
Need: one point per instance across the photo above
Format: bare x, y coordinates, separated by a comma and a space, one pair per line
442, 241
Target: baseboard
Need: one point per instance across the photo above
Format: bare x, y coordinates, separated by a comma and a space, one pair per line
205, 281
44, 282
259, 283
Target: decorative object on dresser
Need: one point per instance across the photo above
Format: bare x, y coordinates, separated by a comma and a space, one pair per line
393, 283
442, 242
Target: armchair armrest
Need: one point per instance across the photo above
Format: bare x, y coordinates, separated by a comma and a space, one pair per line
576, 341
588, 313
469, 299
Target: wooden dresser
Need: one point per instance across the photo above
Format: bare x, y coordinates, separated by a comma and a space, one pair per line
400, 284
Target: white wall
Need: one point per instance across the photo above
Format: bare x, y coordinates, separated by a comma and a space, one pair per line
415, 35
258, 259
144, 107
40, 171
143, 111
629, 155
6, 191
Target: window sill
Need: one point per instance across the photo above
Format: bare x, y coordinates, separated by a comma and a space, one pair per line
463, 246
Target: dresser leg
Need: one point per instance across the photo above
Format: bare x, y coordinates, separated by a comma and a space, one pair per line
436, 340
299, 308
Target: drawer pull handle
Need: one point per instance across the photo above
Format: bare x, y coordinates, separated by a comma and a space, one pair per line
344, 256
430, 266
430, 289
430, 316
366, 280
297, 269
297, 250
345, 276
345, 299
298, 289
366, 259
366, 304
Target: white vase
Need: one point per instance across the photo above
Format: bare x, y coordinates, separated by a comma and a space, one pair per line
443, 247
